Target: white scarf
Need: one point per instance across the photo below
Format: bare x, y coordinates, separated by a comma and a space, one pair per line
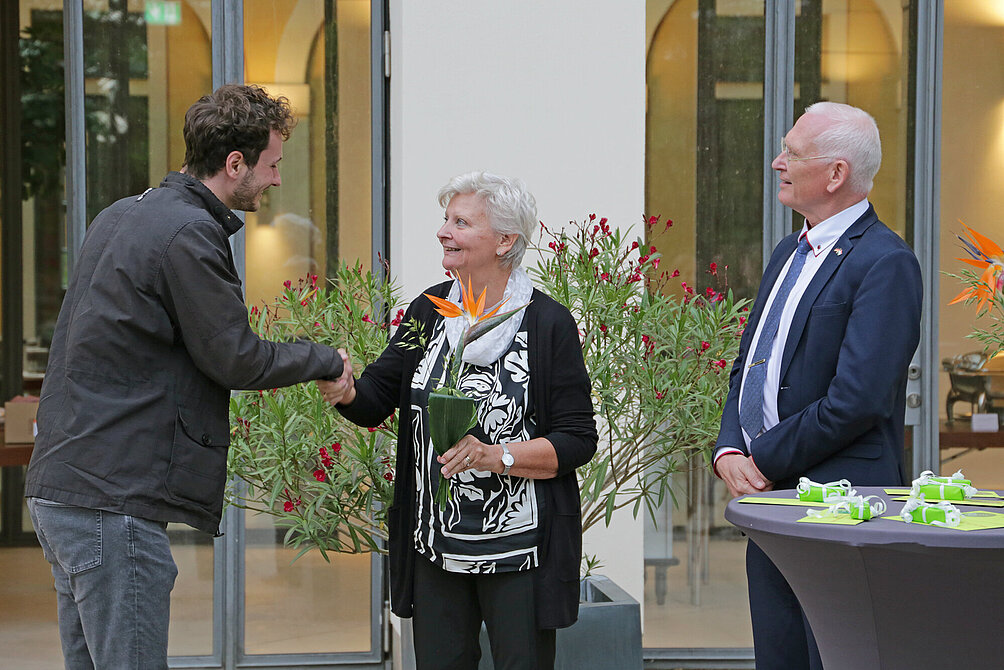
489, 347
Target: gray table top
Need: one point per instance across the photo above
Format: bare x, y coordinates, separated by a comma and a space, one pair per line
783, 520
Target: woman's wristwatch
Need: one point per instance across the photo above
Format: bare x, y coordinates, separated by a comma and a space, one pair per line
507, 459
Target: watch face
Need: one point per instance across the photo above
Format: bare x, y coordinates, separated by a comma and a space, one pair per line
507, 459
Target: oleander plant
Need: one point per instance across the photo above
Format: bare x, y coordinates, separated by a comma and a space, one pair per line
658, 354
292, 456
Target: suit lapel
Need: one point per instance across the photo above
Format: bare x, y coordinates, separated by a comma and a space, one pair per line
821, 278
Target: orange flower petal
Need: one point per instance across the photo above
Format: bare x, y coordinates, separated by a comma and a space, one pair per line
989, 279
965, 295
973, 261
985, 244
467, 295
480, 306
444, 307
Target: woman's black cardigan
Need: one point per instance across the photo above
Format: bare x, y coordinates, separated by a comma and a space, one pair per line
559, 389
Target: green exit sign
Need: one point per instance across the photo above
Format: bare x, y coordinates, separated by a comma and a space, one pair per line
163, 12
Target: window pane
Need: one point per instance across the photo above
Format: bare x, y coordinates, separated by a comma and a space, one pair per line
34, 207
320, 215
704, 171
972, 153
322, 212
140, 75
43, 211
309, 606
859, 52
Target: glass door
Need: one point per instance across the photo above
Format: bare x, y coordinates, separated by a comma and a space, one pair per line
317, 53
970, 388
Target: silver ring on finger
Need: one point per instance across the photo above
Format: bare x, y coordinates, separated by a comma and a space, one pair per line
467, 460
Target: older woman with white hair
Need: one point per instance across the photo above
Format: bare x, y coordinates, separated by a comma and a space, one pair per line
506, 548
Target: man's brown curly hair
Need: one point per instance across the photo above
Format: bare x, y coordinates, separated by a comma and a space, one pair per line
233, 118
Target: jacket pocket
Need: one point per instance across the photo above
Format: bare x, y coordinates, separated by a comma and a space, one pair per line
869, 449
828, 309
197, 473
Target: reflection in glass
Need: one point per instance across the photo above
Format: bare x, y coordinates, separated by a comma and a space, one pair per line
704, 171
858, 52
317, 54
322, 212
302, 606
972, 153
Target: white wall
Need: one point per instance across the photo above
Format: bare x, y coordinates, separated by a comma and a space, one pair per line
552, 91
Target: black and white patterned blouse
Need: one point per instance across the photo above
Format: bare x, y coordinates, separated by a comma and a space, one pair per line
492, 523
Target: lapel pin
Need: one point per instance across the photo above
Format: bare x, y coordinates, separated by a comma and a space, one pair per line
838, 251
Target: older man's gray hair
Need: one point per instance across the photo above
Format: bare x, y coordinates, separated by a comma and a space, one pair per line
854, 137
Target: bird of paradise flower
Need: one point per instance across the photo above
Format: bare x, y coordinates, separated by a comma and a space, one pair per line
478, 323
452, 412
987, 256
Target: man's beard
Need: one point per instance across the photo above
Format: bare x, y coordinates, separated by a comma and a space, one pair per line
245, 197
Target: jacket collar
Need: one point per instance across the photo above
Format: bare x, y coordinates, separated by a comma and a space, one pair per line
197, 193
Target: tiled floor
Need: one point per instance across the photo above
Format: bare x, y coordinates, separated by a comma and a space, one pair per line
304, 607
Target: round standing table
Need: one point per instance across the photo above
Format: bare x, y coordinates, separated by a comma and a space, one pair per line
886, 594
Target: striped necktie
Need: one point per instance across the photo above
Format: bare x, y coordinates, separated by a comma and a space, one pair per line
751, 401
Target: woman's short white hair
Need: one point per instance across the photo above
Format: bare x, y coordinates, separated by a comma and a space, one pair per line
511, 209
854, 137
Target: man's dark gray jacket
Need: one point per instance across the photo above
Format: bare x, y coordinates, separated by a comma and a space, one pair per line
152, 335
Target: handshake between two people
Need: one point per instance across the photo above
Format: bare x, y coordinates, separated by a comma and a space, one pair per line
342, 390
467, 454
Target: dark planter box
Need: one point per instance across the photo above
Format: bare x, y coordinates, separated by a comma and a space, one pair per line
607, 635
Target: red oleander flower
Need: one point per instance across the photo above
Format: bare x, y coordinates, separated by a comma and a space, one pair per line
288, 506
320, 475
326, 459
388, 476
705, 345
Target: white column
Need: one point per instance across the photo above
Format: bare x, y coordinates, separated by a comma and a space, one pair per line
551, 91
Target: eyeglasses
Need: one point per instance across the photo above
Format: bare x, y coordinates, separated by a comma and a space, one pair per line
792, 157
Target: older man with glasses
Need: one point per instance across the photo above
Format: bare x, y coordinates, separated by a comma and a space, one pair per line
819, 387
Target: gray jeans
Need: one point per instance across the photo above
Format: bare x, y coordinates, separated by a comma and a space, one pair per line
114, 575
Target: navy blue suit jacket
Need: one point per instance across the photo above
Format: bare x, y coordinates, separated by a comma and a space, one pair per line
841, 398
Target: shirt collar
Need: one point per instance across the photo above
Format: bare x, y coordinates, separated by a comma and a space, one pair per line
825, 233
199, 194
